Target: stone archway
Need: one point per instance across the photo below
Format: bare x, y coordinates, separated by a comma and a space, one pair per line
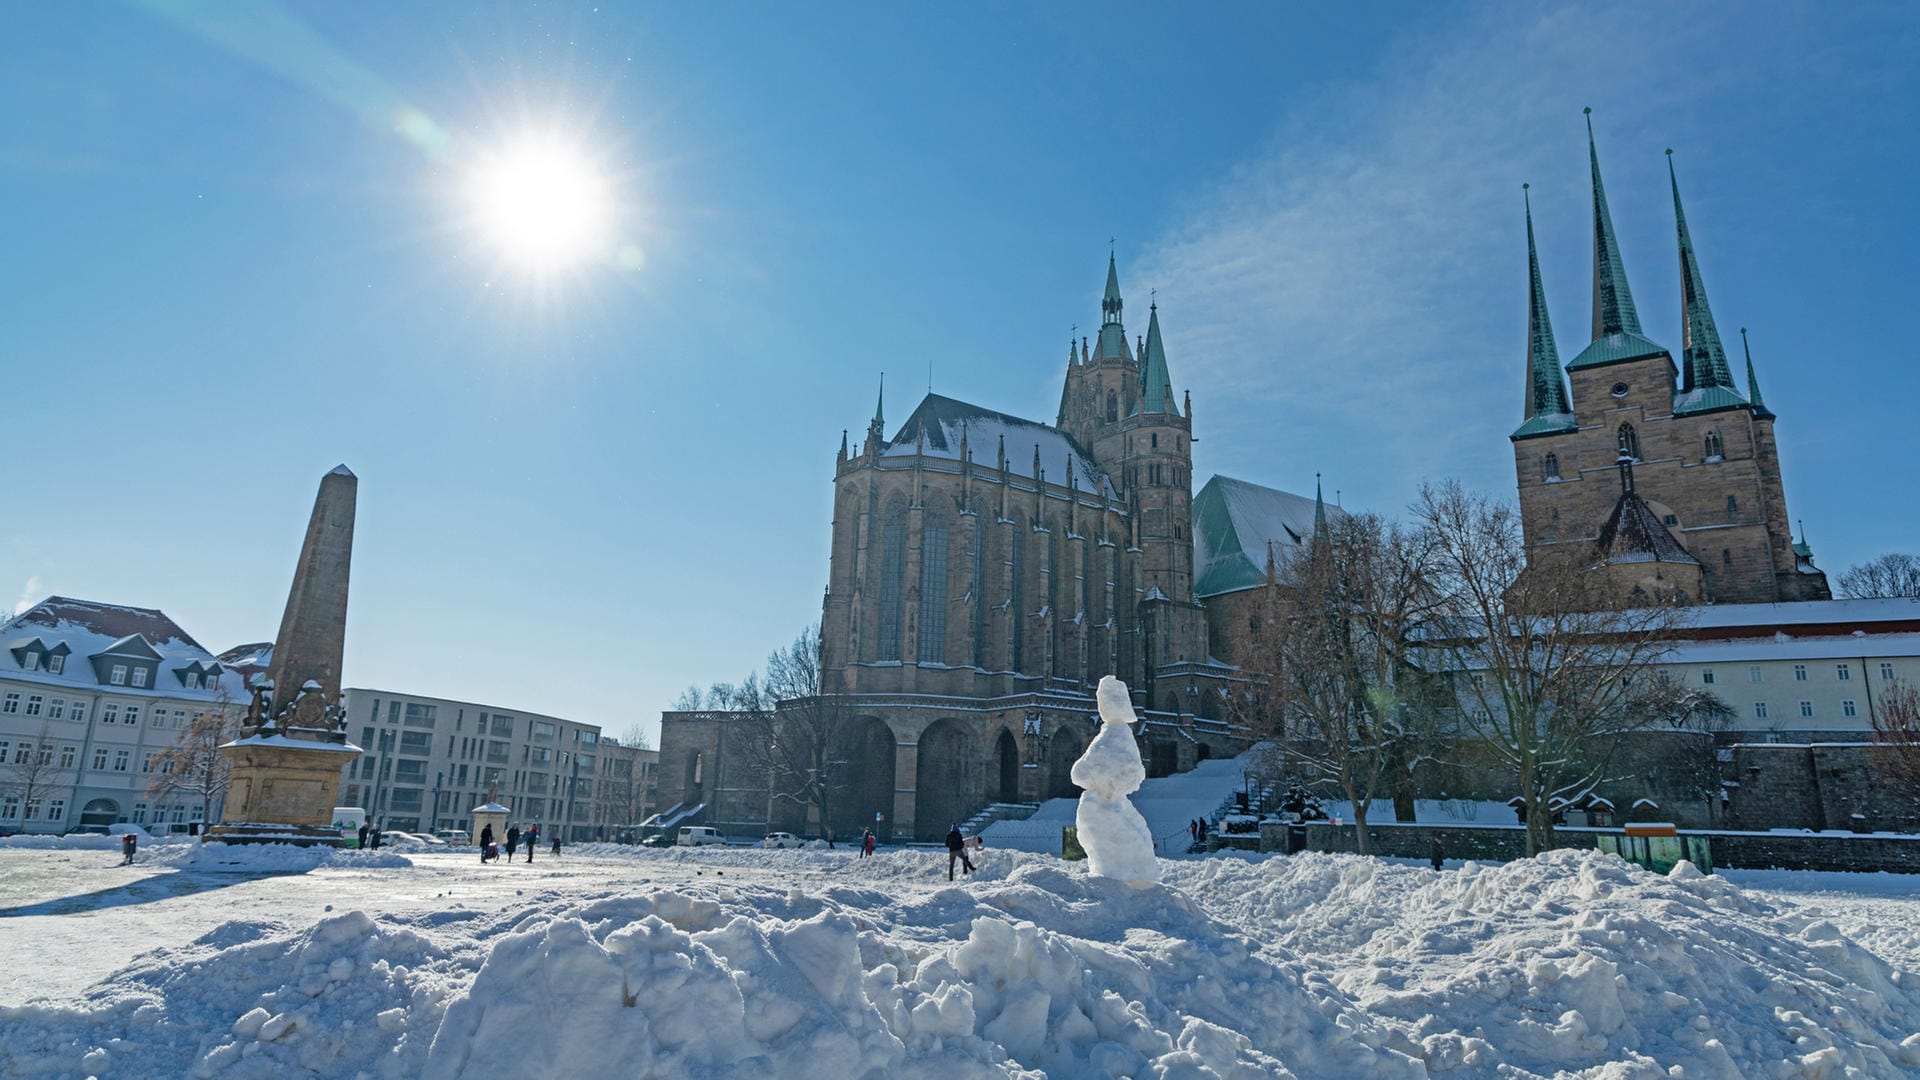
1007, 757
942, 796
869, 783
100, 812
1063, 750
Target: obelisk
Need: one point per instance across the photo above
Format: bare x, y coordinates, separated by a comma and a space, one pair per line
293, 743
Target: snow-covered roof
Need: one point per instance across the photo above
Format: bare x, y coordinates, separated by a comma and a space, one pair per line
1234, 522
89, 628
1787, 647
944, 421
1807, 613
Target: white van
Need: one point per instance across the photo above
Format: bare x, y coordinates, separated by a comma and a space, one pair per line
696, 835
348, 820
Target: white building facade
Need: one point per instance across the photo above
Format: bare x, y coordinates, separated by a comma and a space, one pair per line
91, 694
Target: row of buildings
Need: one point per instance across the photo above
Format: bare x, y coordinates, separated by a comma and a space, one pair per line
987, 569
92, 695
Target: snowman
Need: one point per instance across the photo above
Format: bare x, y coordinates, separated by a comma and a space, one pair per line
1115, 836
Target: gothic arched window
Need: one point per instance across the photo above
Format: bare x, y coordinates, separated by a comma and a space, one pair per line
893, 568
932, 646
978, 590
1715, 448
1629, 441
1113, 407
1017, 599
1550, 468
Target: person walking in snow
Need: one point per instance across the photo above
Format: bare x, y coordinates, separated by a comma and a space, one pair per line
375, 837
364, 830
127, 843
1435, 853
957, 849
486, 843
531, 838
513, 840
556, 843
866, 844
1193, 829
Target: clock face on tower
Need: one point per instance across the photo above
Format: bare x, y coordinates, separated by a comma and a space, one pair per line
1619, 389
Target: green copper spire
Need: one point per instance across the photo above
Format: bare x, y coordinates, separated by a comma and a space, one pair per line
1113, 336
1156, 388
1616, 325
1547, 406
1707, 381
1320, 534
1760, 409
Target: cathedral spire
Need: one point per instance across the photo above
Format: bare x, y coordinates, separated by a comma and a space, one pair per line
1706, 359
1113, 336
877, 430
1110, 303
1760, 409
1548, 410
1613, 311
1320, 534
1156, 388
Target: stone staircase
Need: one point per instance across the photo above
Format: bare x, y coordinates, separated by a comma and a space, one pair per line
974, 825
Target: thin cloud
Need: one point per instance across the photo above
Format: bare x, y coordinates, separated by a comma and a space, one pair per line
30, 595
1359, 284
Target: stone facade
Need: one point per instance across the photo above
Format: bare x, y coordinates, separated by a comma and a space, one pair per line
1817, 786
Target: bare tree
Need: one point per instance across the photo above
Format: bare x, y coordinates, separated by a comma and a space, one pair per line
30, 773
1892, 574
1338, 649
1550, 672
193, 765
1896, 739
802, 740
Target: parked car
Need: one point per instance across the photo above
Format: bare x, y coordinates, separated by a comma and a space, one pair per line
782, 839
394, 836
700, 835
87, 830
657, 840
455, 837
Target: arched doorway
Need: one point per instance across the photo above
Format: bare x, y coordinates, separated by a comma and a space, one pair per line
1203, 752
868, 787
1007, 754
942, 795
100, 812
1063, 750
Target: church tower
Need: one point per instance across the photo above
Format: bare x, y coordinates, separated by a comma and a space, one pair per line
1701, 458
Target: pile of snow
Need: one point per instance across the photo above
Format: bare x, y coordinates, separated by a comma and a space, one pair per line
269, 858
1325, 966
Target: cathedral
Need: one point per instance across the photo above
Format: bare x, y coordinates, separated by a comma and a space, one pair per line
1666, 468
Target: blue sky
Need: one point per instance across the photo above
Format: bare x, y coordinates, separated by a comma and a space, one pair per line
230, 265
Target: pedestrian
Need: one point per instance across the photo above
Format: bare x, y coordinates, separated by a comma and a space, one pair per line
532, 838
556, 843
364, 829
866, 845
375, 837
1435, 853
127, 843
957, 849
486, 843
1203, 830
513, 840
1193, 829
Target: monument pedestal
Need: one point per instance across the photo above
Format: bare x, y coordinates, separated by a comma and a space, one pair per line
283, 790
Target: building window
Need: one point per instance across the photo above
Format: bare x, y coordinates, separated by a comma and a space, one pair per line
33, 704
118, 676
67, 754
139, 813
56, 662
1733, 505
10, 704
893, 569
1715, 449
1113, 407
932, 645
1848, 708
110, 713
32, 662
139, 676
56, 708
1759, 710
1806, 708
131, 716
1550, 467
1753, 674
977, 593
56, 809
1017, 599
79, 713
1843, 672
9, 807
1706, 676
1799, 673
1886, 672
99, 757
1629, 441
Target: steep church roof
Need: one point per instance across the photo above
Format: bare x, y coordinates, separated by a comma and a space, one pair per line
1237, 525
1548, 406
1707, 379
1634, 533
1156, 387
942, 420
1113, 335
1616, 323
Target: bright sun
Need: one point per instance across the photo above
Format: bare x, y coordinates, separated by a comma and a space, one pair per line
543, 203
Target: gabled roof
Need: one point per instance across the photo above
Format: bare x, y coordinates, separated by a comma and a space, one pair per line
1236, 525
943, 420
1634, 533
132, 645
114, 622
91, 629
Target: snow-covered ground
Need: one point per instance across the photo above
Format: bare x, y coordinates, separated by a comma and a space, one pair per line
627, 961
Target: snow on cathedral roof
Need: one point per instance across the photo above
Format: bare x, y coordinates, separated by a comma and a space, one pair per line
944, 420
1233, 524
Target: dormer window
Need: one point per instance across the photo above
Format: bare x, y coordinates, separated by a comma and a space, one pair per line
31, 661
192, 679
139, 676
118, 675
56, 662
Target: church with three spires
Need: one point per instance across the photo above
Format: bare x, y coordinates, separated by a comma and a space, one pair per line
1662, 472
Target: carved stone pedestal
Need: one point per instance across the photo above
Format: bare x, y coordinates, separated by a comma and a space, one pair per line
283, 790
